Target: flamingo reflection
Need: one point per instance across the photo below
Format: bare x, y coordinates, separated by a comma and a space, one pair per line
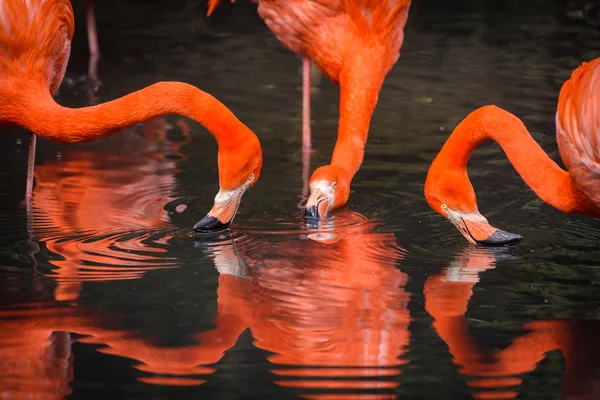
495, 374
36, 359
34, 363
332, 310
330, 303
102, 209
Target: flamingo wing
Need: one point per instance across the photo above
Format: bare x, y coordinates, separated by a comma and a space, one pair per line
578, 128
385, 19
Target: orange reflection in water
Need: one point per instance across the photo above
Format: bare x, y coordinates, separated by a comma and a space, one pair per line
495, 374
333, 310
334, 313
35, 345
101, 209
35, 363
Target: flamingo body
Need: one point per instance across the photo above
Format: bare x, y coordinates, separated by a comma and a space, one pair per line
578, 128
35, 43
36, 38
449, 191
327, 31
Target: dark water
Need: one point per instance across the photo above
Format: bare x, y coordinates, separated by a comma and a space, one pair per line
104, 291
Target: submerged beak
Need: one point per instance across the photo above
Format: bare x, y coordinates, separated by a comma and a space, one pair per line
319, 202
220, 216
477, 230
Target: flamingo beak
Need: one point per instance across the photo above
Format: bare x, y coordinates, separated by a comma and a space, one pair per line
221, 215
320, 201
477, 230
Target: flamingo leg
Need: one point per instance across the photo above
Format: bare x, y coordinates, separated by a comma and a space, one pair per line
92, 42
306, 103
306, 144
30, 169
33, 246
305, 175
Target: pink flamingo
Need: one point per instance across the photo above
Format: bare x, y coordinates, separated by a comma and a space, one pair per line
577, 190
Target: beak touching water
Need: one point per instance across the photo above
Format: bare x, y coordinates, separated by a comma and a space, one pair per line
477, 230
220, 216
320, 200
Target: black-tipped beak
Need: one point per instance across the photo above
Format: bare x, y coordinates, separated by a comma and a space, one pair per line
477, 230
501, 238
223, 211
210, 224
311, 212
318, 204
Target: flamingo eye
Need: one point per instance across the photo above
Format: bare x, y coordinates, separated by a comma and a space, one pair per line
333, 185
444, 207
251, 178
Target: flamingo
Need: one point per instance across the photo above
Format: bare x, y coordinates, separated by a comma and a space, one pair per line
577, 190
355, 43
35, 42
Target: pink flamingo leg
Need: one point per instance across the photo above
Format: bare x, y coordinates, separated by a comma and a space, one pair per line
33, 246
306, 144
305, 175
92, 41
30, 168
306, 103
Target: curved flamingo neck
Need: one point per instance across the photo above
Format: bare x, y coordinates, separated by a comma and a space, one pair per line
36, 110
551, 183
359, 92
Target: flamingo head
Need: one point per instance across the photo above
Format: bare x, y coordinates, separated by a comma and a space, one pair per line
329, 189
450, 193
236, 175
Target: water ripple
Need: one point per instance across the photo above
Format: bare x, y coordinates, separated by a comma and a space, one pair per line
103, 211
331, 308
